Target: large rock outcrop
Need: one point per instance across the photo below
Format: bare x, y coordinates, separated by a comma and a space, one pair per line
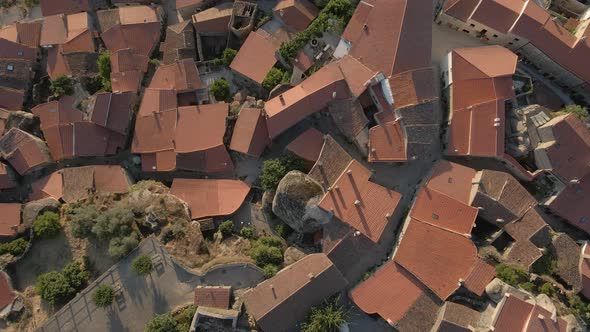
296, 203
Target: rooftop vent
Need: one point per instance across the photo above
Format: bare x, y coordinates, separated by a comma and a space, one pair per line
282, 99
357, 202
435, 216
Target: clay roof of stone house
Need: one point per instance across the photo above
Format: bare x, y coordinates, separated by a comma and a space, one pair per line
54, 30
422, 314
332, 162
440, 210
126, 60
349, 116
126, 15
7, 294
10, 218
78, 182
572, 204
210, 198
141, 37
212, 296
360, 203
55, 7
256, 57
113, 111
179, 43
297, 14
438, 258
58, 112
11, 99
154, 132
187, 3
387, 143
213, 160
568, 255
479, 277
126, 81
180, 76
48, 186
413, 87
250, 135
501, 14
522, 253
15, 78
281, 302
6, 177
25, 33
456, 317
308, 145
527, 226
452, 179
338, 80
516, 314
56, 62
13, 50
213, 20
396, 29
23, 151
460, 9
390, 292
569, 154
159, 161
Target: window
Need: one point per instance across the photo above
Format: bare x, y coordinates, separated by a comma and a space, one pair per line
495, 36
472, 25
516, 39
510, 43
466, 31
10, 67
19, 53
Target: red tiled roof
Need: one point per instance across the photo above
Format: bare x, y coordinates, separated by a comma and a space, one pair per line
279, 303
460, 9
48, 186
7, 294
110, 179
481, 275
438, 258
23, 151
10, 220
250, 134
11, 50
210, 198
141, 37
113, 111
181, 76
452, 179
11, 99
56, 63
296, 13
501, 14
214, 20
389, 292
374, 204
442, 211
57, 112
25, 33
413, 87
308, 145
6, 181
212, 296
256, 57
54, 7
387, 143
573, 204
516, 314
125, 60
126, 81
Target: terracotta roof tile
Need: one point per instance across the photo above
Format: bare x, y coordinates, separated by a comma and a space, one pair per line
296, 13
210, 198
10, 219
390, 292
333, 161
212, 296
436, 257
6, 177
23, 151
360, 203
279, 303
59, 112
113, 111
250, 134
154, 132
349, 116
479, 277
387, 143
256, 57
126, 81
501, 14
48, 186
308, 145
413, 87
460, 9
54, 7
7, 294
125, 60
181, 76
458, 318
200, 127
572, 204
523, 253
213, 20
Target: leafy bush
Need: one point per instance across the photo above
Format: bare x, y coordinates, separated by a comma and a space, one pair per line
283, 230
577, 110
113, 222
263, 21
62, 85
218, 62
76, 276
226, 228
545, 265
248, 232
270, 271
104, 69
142, 265
528, 286
103, 296
511, 275
271, 241
162, 323
273, 170
82, 219
220, 89
274, 77
53, 287
326, 318
264, 255
228, 56
15, 248
47, 224
547, 289
121, 246
185, 317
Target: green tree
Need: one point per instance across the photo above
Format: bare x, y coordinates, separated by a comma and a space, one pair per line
121, 246
103, 296
104, 69
142, 265
226, 228
62, 85
326, 318
15, 247
220, 89
271, 241
248, 232
113, 222
274, 77
547, 289
545, 265
270, 271
76, 276
162, 323
511, 275
54, 288
47, 224
264, 255
185, 318
82, 219
577, 110
273, 170
228, 56
528, 286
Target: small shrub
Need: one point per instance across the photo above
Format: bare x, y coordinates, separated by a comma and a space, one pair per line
15, 247
511, 275
273, 78
82, 219
270, 271
577, 110
121, 246
271, 241
264, 255
528, 286
228, 56
220, 89
47, 224
103, 296
218, 62
31, 3
53, 287
185, 318
545, 265
162, 323
76, 276
248, 233
104, 69
547, 289
283, 230
273, 170
142, 265
62, 86
226, 228
326, 318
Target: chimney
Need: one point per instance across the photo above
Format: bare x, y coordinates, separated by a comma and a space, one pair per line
365, 27
357, 202
282, 99
310, 276
349, 172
